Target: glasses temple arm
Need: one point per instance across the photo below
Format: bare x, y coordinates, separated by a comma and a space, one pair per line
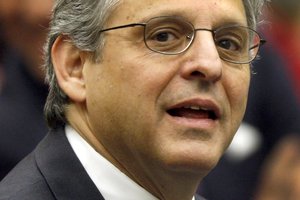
123, 26
261, 42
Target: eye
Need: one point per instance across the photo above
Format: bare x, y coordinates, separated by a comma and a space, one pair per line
165, 39
168, 35
230, 44
164, 35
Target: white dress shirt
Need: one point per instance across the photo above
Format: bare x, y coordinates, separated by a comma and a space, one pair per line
110, 181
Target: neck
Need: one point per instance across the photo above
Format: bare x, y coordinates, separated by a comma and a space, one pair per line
159, 180
167, 184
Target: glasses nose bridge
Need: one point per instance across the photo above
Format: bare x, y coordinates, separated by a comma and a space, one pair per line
195, 30
204, 43
206, 30
203, 29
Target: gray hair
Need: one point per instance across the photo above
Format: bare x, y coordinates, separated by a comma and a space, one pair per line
81, 21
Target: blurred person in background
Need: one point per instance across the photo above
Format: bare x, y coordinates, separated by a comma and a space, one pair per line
23, 25
280, 176
263, 161
284, 34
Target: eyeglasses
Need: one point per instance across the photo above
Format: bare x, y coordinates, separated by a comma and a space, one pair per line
174, 35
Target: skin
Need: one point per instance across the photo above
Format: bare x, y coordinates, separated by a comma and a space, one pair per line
120, 104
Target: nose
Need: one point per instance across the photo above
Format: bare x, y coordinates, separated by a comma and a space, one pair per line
202, 59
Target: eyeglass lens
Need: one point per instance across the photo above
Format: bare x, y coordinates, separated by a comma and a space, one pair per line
173, 35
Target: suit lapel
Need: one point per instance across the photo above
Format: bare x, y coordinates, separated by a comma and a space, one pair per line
62, 170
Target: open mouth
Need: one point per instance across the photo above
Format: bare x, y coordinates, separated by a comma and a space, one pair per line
193, 112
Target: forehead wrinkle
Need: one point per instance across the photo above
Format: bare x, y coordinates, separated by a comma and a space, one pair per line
142, 12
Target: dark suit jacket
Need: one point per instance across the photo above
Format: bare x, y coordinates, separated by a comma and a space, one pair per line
51, 171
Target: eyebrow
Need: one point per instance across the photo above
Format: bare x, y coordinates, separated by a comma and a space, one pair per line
229, 22
171, 13
191, 17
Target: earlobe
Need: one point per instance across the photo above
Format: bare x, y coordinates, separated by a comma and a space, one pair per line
68, 62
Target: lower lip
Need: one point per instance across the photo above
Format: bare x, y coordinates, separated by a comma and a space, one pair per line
195, 123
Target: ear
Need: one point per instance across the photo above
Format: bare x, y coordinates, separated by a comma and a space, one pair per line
68, 62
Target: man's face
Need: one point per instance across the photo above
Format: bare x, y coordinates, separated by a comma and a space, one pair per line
177, 111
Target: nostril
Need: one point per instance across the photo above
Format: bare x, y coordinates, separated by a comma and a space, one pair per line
197, 73
202, 68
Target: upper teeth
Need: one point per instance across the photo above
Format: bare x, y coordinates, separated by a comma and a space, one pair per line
194, 107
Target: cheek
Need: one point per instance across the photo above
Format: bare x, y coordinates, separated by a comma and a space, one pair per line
237, 87
120, 90
139, 70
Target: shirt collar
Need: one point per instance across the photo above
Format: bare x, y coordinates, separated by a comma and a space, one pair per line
110, 181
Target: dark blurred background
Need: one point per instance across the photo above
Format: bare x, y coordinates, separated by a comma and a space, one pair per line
23, 29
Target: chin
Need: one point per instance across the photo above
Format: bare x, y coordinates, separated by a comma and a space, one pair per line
193, 161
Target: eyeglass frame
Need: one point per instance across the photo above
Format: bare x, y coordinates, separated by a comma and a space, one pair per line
213, 31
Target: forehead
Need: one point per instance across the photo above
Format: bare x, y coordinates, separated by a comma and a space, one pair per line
202, 12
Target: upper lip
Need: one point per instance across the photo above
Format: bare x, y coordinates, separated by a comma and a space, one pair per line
198, 103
